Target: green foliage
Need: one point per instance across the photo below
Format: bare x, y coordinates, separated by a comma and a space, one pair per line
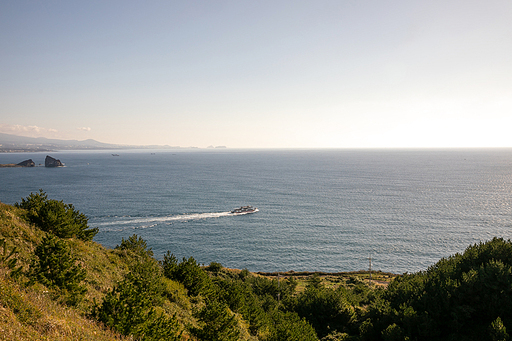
288, 326
263, 286
214, 267
458, 297
129, 307
336, 336
360, 294
160, 328
56, 267
240, 298
244, 274
290, 286
394, 333
135, 245
367, 330
124, 308
314, 282
498, 331
189, 273
219, 323
326, 309
56, 217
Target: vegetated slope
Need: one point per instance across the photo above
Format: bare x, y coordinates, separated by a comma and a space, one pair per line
50, 286
34, 312
57, 284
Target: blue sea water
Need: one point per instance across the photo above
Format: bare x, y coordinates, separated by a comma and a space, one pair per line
325, 210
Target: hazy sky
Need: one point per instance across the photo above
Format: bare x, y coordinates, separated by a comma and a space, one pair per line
259, 74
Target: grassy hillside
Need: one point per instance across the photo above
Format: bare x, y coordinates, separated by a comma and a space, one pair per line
34, 312
57, 284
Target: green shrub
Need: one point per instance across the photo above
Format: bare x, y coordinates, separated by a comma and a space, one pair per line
219, 323
244, 274
214, 267
160, 328
126, 307
129, 307
136, 245
189, 273
56, 267
459, 297
242, 300
288, 326
394, 333
326, 309
56, 217
498, 331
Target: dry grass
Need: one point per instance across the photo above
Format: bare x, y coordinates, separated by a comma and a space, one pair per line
31, 314
18, 232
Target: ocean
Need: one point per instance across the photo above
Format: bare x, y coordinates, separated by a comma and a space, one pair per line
319, 210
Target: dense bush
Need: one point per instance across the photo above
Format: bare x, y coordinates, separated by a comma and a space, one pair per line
135, 245
189, 273
240, 298
326, 309
130, 307
288, 326
56, 217
56, 267
214, 267
218, 323
459, 297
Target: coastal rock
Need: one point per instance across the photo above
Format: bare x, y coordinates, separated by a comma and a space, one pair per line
27, 163
51, 162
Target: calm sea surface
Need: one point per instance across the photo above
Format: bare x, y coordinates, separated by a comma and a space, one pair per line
324, 210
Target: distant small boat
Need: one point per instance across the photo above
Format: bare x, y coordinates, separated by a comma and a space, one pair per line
244, 210
115, 154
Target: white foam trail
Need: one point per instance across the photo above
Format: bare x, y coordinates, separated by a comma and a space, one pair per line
181, 217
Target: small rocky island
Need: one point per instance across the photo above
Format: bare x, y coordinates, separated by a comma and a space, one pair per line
48, 162
26, 163
52, 162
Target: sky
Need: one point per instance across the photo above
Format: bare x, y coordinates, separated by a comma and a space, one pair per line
259, 74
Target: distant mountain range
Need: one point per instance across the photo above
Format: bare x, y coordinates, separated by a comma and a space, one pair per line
15, 143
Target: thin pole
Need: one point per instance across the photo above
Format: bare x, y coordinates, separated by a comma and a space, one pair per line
370, 266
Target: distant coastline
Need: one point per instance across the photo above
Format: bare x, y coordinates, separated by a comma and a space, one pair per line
21, 144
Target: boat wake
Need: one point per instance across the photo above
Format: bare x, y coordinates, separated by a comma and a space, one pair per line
146, 220
115, 223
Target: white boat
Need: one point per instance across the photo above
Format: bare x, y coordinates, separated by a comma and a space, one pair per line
244, 210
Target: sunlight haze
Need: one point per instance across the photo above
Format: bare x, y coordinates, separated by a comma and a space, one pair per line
263, 74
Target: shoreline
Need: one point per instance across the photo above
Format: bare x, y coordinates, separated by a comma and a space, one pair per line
292, 273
